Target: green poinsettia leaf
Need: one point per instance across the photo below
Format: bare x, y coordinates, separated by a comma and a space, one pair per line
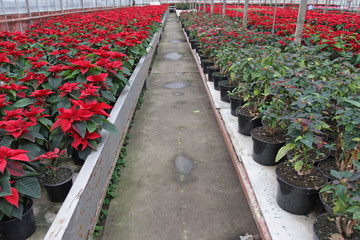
28, 186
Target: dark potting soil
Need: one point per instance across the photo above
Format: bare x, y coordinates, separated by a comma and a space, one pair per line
315, 179
246, 112
327, 198
325, 228
61, 175
262, 134
328, 165
312, 154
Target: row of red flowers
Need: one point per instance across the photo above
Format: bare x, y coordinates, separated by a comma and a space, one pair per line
59, 81
333, 30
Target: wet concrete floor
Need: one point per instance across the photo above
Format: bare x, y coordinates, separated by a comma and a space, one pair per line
179, 182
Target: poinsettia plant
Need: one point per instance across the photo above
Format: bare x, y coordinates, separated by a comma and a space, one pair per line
50, 160
17, 181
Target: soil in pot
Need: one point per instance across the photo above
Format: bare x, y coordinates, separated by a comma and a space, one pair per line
210, 71
326, 166
235, 101
326, 200
312, 154
217, 77
58, 186
246, 121
225, 87
16, 229
324, 228
298, 194
266, 147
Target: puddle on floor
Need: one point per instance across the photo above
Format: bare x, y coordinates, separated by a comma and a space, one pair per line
176, 85
178, 93
173, 55
177, 41
184, 167
179, 74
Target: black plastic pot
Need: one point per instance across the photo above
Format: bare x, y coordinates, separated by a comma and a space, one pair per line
16, 229
76, 159
210, 71
293, 199
192, 43
234, 103
327, 208
58, 192
206, 63
246, 123
224, 89
327, 174
217, 77
203, 57
265, 153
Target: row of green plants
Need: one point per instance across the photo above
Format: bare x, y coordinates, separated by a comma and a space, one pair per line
302, 94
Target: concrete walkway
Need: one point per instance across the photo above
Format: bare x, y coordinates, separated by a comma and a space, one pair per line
179, 182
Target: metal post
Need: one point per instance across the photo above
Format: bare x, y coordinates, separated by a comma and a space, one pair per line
28, 7
224, 7
212, 7
326, 4
82, 5
284, 4
61, 6
3, 9
18, 11
204, 6
300, 21
273, 26
246, 8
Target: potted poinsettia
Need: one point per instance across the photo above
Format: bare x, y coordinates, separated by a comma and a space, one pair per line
18, 185
298, 179
57, 180
343, 222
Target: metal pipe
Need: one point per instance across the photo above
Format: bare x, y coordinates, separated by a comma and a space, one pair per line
300, 21
273, 26
246, 9
204, 6
224, 7
212, 7
61, 6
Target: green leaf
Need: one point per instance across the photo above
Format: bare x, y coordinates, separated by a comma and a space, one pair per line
5, 186
6, 207
108, 95
283, 151
57, 139
110, 127
355, 103
73, 74
34, 149
326, 188
80, 128
126, 70
45, 121
91, 126
97, 119
6, 141
55, 82
134, 50
18, 212
24, 102
28, 186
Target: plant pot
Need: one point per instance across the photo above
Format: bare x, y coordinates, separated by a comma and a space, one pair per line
224, 89
265, 151
217, 77
76, 159
210, 71
323, 198
326, 166
246, 122
192, 42
197, 47
206, 63
58, 188
293, 198
234, 103
203, 57
16, 229
324, 227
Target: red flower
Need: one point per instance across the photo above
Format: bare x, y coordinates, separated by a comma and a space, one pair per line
2, 100
16, 114
68, 88
7, 154
16, 128
50, 155
34, 113
3, 58
94, 106
83, 65
97, 79
69, 116
89, 91
13, 198
84, 141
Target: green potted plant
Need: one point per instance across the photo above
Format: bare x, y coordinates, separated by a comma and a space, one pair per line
343, 222
57, 180
298, 179
18, 185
